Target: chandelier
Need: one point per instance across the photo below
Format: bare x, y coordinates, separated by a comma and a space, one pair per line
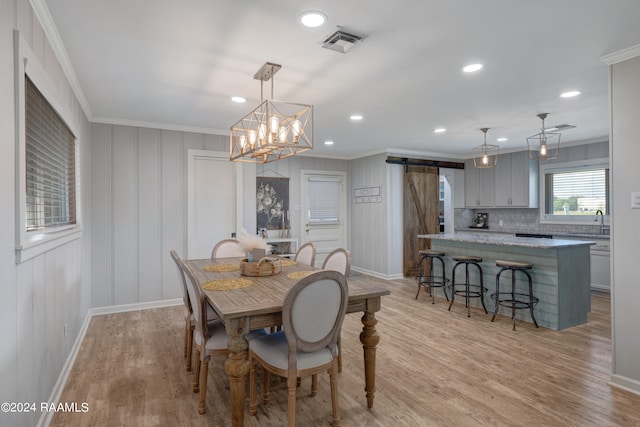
485, 155
274, 130
544, 145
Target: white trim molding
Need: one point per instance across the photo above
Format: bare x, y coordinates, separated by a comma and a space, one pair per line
621, 55
625, 383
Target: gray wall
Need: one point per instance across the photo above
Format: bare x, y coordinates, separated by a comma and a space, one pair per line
625, 153
41, 295
139, 183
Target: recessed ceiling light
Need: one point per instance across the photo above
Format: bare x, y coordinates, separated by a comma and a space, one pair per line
472, 68
313, 18
501, 139
328, 143
570, 94
439, 130
238, 99
356, 117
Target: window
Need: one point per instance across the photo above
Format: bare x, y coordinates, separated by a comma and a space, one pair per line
574, 192
324, 199
50, 165
48, 206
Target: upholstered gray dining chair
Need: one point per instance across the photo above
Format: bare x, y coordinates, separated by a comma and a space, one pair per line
227, 248
312, 315
306, 254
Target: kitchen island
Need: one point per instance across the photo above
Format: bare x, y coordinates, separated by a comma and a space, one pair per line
561, 272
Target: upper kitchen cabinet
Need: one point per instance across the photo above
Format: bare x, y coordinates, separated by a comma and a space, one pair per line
516, 181
479, 186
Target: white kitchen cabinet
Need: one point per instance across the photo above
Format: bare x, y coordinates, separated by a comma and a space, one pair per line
516, 181
479, 186
600, 266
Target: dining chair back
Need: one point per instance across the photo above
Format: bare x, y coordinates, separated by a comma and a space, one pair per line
306, 254
188, 319
312, 314
338, 260
227, 248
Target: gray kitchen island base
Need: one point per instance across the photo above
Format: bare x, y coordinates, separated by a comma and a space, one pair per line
561, 273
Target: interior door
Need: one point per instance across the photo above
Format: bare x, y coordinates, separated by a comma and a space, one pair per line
211, 207
421, 211
324, 211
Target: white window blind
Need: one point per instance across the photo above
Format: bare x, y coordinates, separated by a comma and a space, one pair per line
50, 165
324, 199
576, 192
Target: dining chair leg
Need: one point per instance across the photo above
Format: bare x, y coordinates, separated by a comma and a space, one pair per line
204, 372
265, 386
291, 401
187, 329
196, 373
189, 338
333, 382
252, 387
314, 384
339, 353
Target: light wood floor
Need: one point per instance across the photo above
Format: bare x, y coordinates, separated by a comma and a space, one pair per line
435, 368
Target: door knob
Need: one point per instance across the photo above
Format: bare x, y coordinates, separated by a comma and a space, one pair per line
307, 228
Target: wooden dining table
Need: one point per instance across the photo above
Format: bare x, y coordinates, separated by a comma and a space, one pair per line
259, 305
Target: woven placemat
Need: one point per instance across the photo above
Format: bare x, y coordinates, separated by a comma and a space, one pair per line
219, 268
297, 275
226, 284
287, 262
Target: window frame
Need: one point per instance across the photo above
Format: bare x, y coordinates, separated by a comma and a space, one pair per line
33, 243
573, 166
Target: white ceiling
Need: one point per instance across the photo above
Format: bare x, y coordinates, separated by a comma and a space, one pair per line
176, 64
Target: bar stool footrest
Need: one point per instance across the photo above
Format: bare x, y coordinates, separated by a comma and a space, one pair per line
517, 303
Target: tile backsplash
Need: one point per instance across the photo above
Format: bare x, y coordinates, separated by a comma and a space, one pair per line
520, 220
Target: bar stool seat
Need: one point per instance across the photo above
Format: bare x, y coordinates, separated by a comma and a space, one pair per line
431, 280
514, 300
468, 289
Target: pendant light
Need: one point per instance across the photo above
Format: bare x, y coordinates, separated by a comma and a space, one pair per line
485, 155
544, 145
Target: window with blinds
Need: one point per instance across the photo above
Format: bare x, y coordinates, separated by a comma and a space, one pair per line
50, 165
576, 192
324, 200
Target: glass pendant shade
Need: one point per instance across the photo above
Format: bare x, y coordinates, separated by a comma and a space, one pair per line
544, 145
273, 130
485, 155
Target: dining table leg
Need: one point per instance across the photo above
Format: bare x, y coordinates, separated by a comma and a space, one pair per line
237, 368
370, 338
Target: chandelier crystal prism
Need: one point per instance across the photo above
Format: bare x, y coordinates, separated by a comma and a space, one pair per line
274, 130
544, 145
485, 155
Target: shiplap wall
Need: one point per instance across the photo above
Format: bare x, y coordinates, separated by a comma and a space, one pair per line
43, 294
139, 178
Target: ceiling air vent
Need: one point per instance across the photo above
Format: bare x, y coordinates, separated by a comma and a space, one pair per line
342, 41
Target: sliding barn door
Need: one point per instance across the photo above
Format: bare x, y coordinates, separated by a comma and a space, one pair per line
421, 210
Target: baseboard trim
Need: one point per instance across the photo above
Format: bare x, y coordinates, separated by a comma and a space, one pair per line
625, 383
376, 274
56, 392
97, 311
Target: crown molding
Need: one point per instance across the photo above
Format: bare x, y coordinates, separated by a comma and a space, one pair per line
621, 55
41, 11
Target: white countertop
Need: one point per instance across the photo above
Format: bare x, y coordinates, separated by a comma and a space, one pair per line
507, 240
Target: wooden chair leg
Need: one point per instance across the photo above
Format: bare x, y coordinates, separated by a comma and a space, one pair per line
189, 338
291, 401
314, 384
339, 353
265, 386
333, 382
252, 387
187, 325
204, 373
196, 373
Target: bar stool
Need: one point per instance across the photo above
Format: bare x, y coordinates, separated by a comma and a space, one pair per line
432, 281
470, 290
514, 300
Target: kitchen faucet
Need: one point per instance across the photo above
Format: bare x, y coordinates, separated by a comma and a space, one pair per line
602, 226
